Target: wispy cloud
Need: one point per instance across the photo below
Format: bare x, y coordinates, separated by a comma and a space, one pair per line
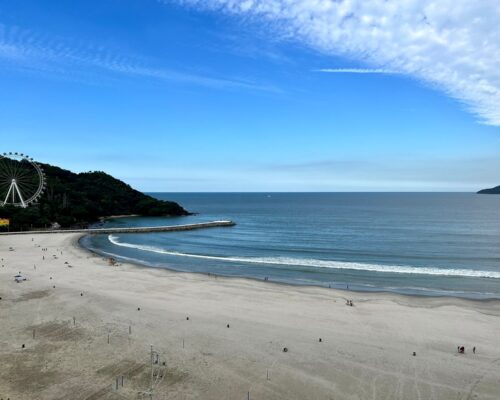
460, 172
451, 44
356, 71
28, 50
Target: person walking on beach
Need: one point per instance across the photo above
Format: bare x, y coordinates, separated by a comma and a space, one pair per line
474, 349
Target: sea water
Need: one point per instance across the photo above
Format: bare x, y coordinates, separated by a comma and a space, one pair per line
440, 244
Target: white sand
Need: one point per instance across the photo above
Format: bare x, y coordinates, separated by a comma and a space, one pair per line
366, 352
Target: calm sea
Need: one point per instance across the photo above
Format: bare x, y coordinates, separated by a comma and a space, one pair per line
438, 244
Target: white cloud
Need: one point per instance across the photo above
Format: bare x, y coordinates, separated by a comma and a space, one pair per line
452, 44
66, 59
356, 71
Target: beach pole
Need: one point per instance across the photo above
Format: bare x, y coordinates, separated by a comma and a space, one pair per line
108, 338
152, 377
33, 333
74, 321
248, 395
130, 329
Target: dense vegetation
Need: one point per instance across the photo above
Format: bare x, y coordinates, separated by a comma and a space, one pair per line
495, 190
75, 200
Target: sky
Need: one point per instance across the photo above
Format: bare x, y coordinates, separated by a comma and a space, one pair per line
256, 95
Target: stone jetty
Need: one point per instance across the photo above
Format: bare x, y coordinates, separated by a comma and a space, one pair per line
142, 229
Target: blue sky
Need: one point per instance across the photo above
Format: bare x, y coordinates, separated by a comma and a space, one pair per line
254, 95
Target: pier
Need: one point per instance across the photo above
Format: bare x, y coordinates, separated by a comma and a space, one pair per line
142, 229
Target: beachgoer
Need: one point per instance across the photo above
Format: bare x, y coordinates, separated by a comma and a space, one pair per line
474, 349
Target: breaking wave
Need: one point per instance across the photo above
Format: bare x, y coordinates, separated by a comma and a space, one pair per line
315, 263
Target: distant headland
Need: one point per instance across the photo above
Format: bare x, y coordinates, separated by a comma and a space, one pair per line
495, 190
77, 200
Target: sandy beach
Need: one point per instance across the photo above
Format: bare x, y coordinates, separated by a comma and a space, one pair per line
85, 324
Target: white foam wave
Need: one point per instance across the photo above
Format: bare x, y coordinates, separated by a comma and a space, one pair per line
302, 262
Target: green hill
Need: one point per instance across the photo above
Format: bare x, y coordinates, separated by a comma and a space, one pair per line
495, 190
79, 199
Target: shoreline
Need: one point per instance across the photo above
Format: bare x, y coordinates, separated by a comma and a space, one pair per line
91, 323
381, 291
119, 216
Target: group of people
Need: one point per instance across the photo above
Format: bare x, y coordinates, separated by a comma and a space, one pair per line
349, 303
461, 349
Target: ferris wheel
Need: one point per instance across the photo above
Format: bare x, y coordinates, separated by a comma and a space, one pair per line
22, 180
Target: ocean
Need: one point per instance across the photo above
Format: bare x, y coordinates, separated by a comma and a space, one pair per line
435, 244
